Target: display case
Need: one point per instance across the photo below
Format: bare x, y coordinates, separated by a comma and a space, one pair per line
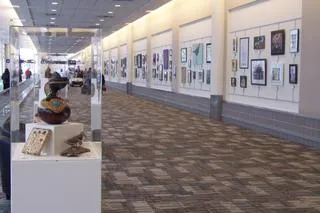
61, 151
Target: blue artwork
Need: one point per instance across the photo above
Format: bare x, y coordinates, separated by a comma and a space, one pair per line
197, 54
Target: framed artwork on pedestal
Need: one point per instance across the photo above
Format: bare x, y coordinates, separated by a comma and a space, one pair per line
259, 42
208, 77
244, 53
276, 74
293, 73
234, 65
294, 40
208, 53
243, 81
258, 72
183, 75
184, 56
278, 42
233, 82
197, 54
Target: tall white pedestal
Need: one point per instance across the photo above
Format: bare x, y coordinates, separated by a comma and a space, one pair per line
59, 134
53, 184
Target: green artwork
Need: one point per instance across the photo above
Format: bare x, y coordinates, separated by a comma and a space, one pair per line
197, 54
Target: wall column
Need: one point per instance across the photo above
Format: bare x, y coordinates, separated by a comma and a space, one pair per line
130, 60
175, 53
309, 69
218, 58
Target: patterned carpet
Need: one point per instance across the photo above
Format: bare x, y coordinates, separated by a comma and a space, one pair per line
161, 159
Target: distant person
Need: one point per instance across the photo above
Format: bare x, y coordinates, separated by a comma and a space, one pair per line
28, 74
6, 79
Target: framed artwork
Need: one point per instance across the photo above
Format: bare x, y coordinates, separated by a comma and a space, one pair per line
158, 57
208, 53
165, 59
184, 56
208, 77
234, 65
276, 74
136, 72
278, 42
259, 42
183, 75
154, 59
170, 75
139, 60
235, 45
170, 65
194, 75
154, 73
243, 81
244, 53
197, 54
135, 60
233, 82
293, 73
166, 76
201, 76
144, 59
161, 72
294, 40
189, 63
189, 76
258, 72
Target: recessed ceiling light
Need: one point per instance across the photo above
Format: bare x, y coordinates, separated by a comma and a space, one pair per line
54, 3
54, 10
53, 18
117, 5
110, 12
15, 6
97, 24
101, 19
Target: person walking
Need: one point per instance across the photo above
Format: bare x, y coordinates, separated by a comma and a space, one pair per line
6, 79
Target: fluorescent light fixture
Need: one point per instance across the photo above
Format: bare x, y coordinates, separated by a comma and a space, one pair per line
53, 10
148, 11
97, 24
117, 5
15, 6
53, 18
110, 12
101, 19
54, 3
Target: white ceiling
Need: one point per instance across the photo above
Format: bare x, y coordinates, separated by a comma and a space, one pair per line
80, 13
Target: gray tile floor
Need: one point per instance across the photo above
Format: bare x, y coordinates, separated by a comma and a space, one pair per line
161, 159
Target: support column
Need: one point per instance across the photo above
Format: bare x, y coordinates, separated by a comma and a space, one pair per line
148, 53
130, 64
218, 59
175, 55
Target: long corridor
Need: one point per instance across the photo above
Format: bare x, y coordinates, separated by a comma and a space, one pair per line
161, 159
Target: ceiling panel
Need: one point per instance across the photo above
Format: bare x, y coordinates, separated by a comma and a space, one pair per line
80, 13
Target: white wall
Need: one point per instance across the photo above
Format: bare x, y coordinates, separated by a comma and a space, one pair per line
262, 19
196, 32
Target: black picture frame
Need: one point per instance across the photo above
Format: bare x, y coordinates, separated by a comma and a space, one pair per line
208, 53
259, 42
294, 40
243, 81
184, 55
293, 73
259, 72
208, 77
278, 42
139, 60
233, 82
244, 53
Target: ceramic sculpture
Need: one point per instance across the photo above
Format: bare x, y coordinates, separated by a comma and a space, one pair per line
54, 110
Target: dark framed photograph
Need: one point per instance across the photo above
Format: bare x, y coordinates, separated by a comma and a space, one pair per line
154, 59
235, 45
243, 81
278, 42
194, 75
139, 60
184, 56
259, 42
293, 73
166, 59
259, 72
294, 41
244, 53
233, 82
208, 77
201, 76
208, 53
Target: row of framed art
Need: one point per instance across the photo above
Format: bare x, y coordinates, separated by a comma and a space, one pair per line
259, 74
197, 54
278, 47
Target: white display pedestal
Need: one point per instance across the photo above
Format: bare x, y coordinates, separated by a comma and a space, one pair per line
52, 184
59, 134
